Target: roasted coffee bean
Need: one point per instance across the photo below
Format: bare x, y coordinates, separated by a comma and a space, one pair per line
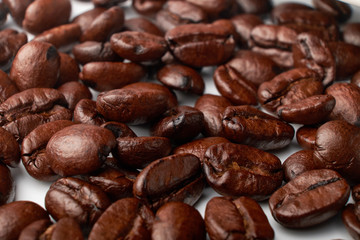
289, 87
278, 10
234, 87
254, 67
91, 51
127, 218
17, 9
215, 8
177, 220
138, 152
212, 107
250, 126
138, 46
85, 112
7, 185
347, 97
74, 92
135, 103
309, 199
117, 183
177, 13
104, 25
182, 78
179, 124
15, 216
7, 87
305, 137
174, 178
106, 3
312, 52
119, 129
79, 149
69, 69
75, 198
356, 193
200, 44
37, 64
244, 23
198, 147
147, 7
61, 36
255, 6
242, 218
335, 148
238, 170
142, 24
105, 76
10, 43
37, 20
356, 79
33, 154
351, 33
311, 110
9, 150
350, 218
340, 10
297, 163
34, 230
85, 19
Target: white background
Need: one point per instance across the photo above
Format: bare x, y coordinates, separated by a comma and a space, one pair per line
28, 188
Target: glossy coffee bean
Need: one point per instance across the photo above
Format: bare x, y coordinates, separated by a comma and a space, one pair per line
119, 129
79, 149
242, 218
7, 185
91, 51
106, 3
244, 23
255, 7
250, 126
34, 229
230, 170
174, 178
340, 10
75, 198
36, 20
136, 103
85, 112
69, 69
10, 151
17, 9
147, 7
351, 33
7, 87
126, 218
350, 218
17, 215
278, 10
142, 24
215, 8
74, 92
297, 163
33, 154
305, 136
309, 199
86, 18
11, 42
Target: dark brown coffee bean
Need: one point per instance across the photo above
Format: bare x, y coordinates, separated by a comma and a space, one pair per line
7, 185
106, 3
104, 25
79, 149
351, 33
91, 51
234, 87
350, 218
136, 103
278, 9
85, 112
60, 36
250, 126
86, 18
182, 78
10, 151
305, 137
138, 46
254, 67
138, 152
127, 218
37, 64
289, 87
119, 129
176, 220
174, 178
311, 110
244, 24
242, 218
297, 163
335, 148
177, 13
238, 170
10, 43
255, 6
17, 9
340, 10
198, 147
201, 45
309, 199
142, 24
34, 230
180, 124
36, 20
69, 69
105, 76
312, 52
214, 8
7, 87
15, 216
74, 92
356, 79
33, 154
147, 7
356, 193
75, 198
347, 97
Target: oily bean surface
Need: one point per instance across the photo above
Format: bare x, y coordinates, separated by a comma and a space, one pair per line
297, 163
7, 185
305, 136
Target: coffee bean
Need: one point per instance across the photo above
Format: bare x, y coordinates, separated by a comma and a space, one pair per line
305, 136
69, 69
119, 129
340, 10
351, 220
11, 42
85, 112
91, 51
10, 151
74, 92
147, 7
215, 8
297, 163
17, 9
255, 6
107, 3
7, 185
86, 18
351, 33
142, 24
244, 23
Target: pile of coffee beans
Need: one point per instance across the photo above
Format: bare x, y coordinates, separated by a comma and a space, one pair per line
75, 89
